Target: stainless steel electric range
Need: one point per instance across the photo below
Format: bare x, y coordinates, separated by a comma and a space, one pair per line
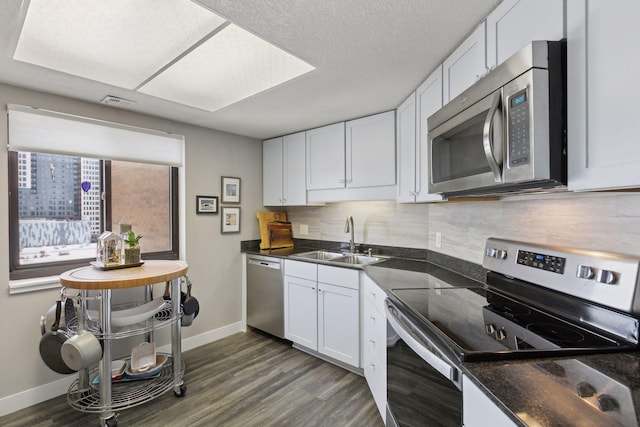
539, 301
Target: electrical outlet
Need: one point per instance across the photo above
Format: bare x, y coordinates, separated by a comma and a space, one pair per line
304, 229
438, 239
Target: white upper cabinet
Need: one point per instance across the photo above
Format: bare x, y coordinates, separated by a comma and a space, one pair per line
515, 23
350, 161
371, 151
465, 65
412, 140
603, 141
272, 172
325, 157
294, 189
283, 171
429, 99
406, 139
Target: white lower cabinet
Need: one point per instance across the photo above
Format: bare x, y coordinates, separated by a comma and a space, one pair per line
374, 339
478, 410
322, 309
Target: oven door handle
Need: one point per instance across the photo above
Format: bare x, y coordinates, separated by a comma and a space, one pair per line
491, 151
403, 328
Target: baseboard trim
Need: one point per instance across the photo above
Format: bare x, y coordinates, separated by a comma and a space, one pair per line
39, 394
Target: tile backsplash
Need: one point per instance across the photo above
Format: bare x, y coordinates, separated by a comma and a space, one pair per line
600, 221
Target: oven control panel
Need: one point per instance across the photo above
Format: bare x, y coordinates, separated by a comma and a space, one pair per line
552, 263
608, 278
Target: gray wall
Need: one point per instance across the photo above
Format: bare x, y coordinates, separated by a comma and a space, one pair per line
600, 221
214, 259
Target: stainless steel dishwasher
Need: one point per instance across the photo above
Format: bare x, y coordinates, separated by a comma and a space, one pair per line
265, 294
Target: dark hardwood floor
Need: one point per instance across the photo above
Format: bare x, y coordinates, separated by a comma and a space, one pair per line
242, 380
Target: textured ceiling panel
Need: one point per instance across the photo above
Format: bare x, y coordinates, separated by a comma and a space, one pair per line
369, 55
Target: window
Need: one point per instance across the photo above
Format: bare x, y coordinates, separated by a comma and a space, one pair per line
71, 178
57, 213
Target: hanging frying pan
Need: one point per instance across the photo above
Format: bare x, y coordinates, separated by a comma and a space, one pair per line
51, 344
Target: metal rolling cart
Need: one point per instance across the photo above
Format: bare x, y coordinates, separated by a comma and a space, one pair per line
89, 393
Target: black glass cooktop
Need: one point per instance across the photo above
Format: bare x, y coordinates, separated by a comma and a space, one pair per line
480, 324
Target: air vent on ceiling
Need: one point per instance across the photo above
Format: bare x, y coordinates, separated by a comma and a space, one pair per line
117, 102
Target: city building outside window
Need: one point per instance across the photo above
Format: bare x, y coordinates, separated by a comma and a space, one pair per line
60, 204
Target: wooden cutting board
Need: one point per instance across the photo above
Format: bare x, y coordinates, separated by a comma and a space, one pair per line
280, 235
264, 219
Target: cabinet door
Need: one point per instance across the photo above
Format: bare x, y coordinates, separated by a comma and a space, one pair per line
406, 140
465, 65
428, 101
515, 23
301, 311
294, 182
374, 344
272, 172
371, 151
478, 410
602, 89
325, 157
339, 323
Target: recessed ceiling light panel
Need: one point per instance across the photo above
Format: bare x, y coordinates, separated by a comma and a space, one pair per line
232, 65
120, 42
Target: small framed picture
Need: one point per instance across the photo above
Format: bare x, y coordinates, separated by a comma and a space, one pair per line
206, 204
230, 220
230, 189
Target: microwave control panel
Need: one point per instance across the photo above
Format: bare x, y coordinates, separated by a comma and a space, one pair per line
518, 125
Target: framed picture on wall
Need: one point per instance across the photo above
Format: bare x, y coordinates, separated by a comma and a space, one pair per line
230, 189
230, 220
206, 204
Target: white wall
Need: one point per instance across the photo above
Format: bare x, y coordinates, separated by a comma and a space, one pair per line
599, 221
214, 259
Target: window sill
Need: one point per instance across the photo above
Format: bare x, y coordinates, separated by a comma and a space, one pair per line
35, 284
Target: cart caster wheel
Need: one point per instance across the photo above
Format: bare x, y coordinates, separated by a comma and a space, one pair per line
181, 392
111, 422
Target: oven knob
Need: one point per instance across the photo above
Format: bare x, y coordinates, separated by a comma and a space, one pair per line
585, 389
490, 328
607, 403
585, 272
501, 334
500, 254
607, 277
491, 252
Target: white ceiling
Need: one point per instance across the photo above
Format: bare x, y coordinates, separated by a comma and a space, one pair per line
369, 55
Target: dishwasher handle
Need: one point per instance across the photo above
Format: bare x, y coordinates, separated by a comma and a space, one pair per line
263, 263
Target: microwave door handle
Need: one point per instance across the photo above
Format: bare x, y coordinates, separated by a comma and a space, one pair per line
487, 138
444, 368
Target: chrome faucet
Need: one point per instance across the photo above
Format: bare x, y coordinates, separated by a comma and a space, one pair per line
348, 227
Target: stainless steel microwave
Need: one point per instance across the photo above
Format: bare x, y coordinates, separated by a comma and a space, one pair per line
507, 132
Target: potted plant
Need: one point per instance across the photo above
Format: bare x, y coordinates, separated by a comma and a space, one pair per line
132, 248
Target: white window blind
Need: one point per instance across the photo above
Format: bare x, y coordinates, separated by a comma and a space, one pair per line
43, 131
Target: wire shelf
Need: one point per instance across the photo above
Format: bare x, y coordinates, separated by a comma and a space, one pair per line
124, 394
160, 320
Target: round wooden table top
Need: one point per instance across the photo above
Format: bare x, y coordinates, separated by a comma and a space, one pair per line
151, 272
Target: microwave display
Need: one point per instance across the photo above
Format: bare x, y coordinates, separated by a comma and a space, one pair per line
519, 141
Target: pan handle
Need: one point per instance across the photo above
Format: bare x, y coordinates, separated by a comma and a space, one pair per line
56, 322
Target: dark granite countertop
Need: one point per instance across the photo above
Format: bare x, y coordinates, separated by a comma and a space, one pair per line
532, 392
543, 392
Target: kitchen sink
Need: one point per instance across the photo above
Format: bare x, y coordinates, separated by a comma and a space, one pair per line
359, 259
320, 255
337, 258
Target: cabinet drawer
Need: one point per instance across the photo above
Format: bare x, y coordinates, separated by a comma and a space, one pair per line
373, 293
304, 270
346, 277
375, 332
